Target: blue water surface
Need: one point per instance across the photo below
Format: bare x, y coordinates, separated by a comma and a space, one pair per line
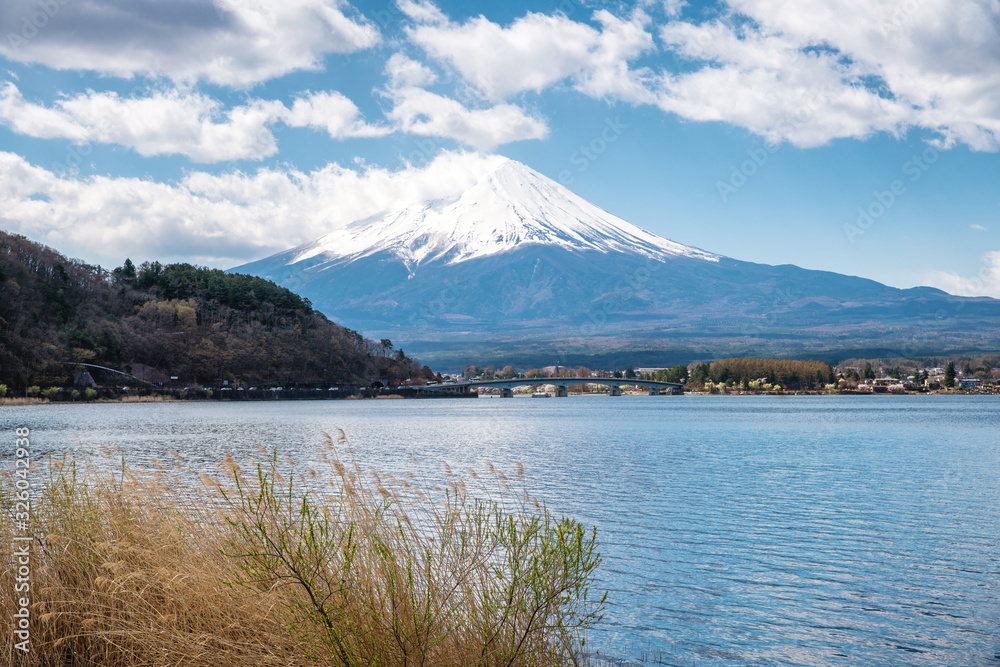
810, 530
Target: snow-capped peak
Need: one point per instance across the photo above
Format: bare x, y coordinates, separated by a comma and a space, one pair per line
511, 206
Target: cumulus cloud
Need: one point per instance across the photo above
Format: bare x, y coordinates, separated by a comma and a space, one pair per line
422, 11
986, 282
418, 111
221, 220
805, 71
172, 122
769, 85
873, 65
403, 71
332, 112
538, 50
228, 42
673, 8
608, 72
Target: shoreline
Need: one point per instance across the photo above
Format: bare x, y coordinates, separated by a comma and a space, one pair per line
21, 401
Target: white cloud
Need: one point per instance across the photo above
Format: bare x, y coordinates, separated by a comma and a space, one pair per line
538, 50
228, 42
673, 8
985, 283
877, 65
608, 73
333, 112
222, 220
403, 71
805, 71
37, 121
189, 124
418, 111
422, 11
769, 85
978, 228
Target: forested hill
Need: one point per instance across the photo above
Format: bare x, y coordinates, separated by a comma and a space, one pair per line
201, 325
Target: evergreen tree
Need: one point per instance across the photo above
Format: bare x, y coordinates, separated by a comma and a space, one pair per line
949, 375
869, 373
124, 273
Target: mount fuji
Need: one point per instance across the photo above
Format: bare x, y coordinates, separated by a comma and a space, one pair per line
518, 269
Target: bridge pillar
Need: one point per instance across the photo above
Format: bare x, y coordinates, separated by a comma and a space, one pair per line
506, 393
561, 391
653, 391
615, 391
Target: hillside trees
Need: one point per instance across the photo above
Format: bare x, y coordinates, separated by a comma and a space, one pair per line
201, 325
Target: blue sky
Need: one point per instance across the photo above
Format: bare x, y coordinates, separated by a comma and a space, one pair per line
845, 135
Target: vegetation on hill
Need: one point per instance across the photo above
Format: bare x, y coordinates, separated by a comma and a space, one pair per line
198, 324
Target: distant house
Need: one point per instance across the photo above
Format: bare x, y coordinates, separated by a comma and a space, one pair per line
969, 383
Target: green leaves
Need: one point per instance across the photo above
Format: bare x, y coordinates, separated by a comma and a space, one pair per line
446, 580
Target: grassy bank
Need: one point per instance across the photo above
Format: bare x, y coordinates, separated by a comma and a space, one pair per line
268, 564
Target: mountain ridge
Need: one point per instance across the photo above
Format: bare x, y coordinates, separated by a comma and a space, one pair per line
510, 206
519, 263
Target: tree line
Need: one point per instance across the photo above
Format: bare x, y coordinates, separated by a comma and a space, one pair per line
788, 373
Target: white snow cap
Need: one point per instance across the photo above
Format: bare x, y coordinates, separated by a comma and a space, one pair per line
511, 206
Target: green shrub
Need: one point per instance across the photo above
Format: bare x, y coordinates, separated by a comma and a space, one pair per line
90, 394
454, 581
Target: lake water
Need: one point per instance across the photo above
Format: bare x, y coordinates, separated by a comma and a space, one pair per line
805, 530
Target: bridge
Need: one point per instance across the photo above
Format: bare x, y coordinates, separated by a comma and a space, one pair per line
506, 387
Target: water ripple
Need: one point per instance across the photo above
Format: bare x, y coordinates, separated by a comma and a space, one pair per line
735, 530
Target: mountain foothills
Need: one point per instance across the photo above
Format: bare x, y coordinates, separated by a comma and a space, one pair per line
518, 269
200, 325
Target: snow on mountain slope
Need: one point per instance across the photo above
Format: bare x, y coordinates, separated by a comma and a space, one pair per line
511, 206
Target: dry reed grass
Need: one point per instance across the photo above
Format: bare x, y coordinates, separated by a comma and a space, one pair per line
273, 566
129, 572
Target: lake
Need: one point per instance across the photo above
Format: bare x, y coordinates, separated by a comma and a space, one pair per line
756, 530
